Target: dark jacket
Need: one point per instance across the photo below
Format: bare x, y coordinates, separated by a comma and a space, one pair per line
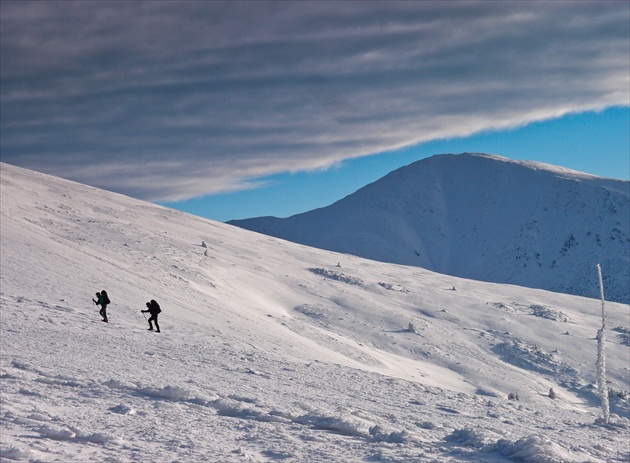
103, 300
154, 308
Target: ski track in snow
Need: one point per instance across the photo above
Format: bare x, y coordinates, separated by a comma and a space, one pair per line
272, 351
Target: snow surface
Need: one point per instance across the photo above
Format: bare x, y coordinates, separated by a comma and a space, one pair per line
273, 351
483, 217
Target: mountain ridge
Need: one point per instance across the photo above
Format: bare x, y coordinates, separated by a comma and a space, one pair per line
483, 217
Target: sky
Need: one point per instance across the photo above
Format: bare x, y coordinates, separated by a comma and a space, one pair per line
242, 109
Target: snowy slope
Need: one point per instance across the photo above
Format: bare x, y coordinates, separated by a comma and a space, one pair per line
481, 217
273, 351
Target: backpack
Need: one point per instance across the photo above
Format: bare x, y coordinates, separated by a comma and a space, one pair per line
155, 306
105, 297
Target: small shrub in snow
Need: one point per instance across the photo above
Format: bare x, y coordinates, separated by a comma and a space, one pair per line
552, 393
623, 395
513, 396
203, 244
624, 335
312, 311
337, 276
394, 287
548, 313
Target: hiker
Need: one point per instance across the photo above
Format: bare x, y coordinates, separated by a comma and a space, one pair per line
102, 299
154, 309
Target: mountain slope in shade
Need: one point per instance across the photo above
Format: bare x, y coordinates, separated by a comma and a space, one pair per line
482, 217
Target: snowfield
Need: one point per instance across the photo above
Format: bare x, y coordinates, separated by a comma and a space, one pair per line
272, 351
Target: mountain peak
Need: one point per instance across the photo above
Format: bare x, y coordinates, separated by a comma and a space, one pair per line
480, 216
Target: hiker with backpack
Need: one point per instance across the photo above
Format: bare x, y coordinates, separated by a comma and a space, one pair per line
102, 299
154, 309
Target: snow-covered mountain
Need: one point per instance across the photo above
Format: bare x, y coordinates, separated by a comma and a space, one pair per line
274, 351
482, 217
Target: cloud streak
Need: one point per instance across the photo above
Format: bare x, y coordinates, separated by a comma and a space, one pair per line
171, 100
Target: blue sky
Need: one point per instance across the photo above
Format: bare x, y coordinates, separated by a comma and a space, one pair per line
276, 107
597, 143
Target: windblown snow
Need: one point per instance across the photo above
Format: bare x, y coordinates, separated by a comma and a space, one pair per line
274, 351
483, 217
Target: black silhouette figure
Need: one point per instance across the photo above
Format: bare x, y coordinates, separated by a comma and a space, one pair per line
102, 300
154, 309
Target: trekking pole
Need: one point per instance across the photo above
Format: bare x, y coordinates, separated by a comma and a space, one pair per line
144, 315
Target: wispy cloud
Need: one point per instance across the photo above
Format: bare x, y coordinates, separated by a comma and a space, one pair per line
170, 100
